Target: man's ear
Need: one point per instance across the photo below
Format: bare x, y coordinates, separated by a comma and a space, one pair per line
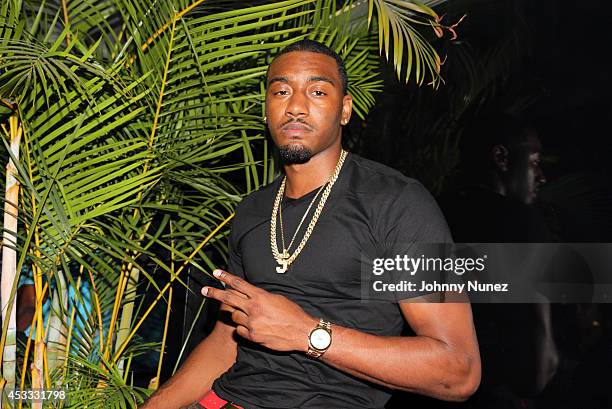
500, 157
347, 109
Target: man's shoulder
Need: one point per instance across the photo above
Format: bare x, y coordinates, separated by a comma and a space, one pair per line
254, 209
259, 199
368, 166
374, 178
403, 210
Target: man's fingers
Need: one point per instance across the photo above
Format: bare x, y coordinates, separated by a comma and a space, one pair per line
235, 282
243, 331
240, 318
237, 293
226, 297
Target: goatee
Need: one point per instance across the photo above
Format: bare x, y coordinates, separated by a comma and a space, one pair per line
294, 155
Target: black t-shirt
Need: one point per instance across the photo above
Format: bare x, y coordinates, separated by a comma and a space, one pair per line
370, 206
479, 215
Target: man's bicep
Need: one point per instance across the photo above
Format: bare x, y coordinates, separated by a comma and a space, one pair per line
450, 323
447, 334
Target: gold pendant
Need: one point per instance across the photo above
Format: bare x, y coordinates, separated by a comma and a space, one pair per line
283, 263
282, 268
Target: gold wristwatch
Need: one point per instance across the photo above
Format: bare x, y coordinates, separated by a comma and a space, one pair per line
320, 339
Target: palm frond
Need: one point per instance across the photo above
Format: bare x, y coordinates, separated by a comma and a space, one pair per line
142, 131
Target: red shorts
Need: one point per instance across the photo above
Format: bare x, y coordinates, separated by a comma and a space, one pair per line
212, 401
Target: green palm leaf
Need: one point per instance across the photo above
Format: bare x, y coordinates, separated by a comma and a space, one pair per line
142, 131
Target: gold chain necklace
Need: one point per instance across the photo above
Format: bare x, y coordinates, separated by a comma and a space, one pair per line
285, 259
282, 229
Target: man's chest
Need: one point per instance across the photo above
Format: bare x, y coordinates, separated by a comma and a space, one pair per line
330, 262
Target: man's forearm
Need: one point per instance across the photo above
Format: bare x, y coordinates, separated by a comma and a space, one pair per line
417, 364
441, 361
211, 358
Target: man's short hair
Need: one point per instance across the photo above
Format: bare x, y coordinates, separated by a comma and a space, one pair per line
317, 47
485, 132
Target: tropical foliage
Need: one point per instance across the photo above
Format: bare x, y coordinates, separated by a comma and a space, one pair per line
481, 74
133, 128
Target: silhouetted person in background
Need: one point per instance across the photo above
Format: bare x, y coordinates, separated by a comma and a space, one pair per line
492, 204
501, 175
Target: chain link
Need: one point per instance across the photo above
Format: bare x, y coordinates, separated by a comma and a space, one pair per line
275, 210
280, 219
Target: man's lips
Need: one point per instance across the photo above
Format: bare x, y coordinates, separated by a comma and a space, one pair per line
296, 127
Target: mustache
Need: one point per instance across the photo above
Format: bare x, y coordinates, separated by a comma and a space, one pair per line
297, 121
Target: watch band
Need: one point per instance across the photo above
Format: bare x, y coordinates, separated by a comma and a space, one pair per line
315, 352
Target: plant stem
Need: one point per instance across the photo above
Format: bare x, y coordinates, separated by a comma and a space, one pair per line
9, 257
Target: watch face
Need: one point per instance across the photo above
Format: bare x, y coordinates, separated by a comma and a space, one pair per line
320, 339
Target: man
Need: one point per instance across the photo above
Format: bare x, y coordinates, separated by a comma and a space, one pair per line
294, 332
500, 157
26, 303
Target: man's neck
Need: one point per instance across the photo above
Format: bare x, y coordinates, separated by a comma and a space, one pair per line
487, 180
306, 177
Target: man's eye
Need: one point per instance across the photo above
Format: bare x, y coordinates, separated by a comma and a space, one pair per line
318, 93
281, 92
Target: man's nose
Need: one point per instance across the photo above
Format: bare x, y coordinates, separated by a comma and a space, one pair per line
297, 106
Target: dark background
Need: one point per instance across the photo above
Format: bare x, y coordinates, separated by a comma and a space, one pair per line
544, 60
547, 62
